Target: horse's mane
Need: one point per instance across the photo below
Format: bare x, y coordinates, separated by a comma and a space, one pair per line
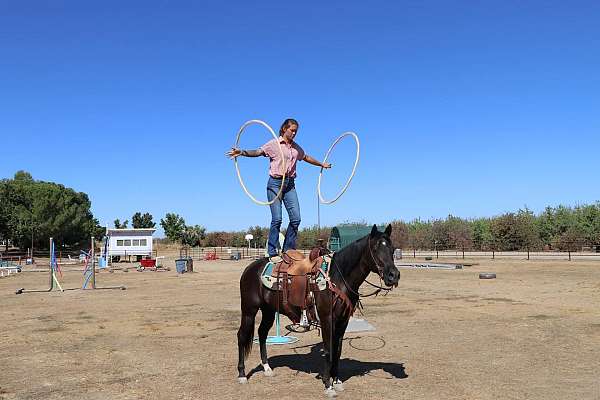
347, 258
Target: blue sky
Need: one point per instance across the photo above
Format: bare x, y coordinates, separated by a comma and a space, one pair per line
464, 108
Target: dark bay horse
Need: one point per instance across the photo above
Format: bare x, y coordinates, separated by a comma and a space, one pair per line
348, 270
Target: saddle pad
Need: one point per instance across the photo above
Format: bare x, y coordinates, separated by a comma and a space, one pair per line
266, 277
269, 281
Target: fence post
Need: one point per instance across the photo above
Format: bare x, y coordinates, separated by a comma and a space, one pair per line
463, 249
493, 254
569, 255
528, 254
414, 253
437, 254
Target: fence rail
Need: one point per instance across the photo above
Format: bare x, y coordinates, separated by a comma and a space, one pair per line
224, 253
525, 255
227, 253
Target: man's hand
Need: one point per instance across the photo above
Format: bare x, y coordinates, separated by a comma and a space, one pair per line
233, 153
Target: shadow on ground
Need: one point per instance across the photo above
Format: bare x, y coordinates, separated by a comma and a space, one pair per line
313, 363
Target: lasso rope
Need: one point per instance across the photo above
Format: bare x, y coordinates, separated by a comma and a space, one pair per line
353, 168
237, 168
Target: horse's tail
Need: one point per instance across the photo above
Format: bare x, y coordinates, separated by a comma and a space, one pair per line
250, 302
247, 347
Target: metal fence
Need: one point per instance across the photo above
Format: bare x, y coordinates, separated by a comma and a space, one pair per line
522, 255
224, 253
234, 253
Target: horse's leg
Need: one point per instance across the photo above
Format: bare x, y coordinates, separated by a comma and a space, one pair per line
339, 340
268, 316
326, 331
245, 336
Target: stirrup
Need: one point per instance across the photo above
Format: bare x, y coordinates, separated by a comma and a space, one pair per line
304, 320
276, 259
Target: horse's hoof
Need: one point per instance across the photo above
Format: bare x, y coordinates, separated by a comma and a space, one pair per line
330, 392
268, 370
338, 385
243, 380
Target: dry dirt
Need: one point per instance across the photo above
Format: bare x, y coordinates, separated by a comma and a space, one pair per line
532, 333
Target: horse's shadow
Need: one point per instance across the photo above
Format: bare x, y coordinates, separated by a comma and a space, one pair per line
313, 363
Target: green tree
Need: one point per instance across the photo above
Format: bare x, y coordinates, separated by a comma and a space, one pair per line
527, 229
420, 235
119, 225
570, 240
174, 227
5, 212
260, 235
39, 210
142, 221
482, 234
587, 223
237, 239
309, 237
193, 235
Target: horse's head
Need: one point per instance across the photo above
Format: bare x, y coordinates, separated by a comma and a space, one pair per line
381, 254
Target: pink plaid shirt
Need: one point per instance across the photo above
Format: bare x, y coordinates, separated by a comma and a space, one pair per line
292, 153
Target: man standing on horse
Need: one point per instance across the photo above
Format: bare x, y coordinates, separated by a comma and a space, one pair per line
292, 153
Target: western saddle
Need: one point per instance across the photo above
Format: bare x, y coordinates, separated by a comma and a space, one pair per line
295, 278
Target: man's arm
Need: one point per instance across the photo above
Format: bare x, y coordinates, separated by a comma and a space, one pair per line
235, 152
253, 153
317, 163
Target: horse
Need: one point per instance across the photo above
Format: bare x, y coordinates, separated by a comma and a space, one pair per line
348, 269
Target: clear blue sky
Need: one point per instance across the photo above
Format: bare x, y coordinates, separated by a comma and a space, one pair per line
464, 108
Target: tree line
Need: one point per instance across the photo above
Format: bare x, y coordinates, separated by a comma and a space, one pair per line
33, 211
558, 228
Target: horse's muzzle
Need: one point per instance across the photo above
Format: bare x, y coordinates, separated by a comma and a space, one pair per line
392, 277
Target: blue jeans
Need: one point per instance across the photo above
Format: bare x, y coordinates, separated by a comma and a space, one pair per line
290, 199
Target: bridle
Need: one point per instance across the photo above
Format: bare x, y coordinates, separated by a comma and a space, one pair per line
378, 288
380, 270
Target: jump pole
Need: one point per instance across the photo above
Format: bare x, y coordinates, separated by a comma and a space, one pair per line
93, 272
51, 277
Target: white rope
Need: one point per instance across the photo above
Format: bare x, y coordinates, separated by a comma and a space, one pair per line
237, 168
353, 168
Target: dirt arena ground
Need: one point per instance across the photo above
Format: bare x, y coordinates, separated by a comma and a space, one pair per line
532, 333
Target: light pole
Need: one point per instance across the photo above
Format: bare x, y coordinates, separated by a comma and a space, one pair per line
248, 238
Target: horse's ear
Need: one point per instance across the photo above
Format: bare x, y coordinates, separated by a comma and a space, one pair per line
388, 230
374, 230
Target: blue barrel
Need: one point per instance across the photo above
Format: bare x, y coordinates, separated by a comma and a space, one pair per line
180, 265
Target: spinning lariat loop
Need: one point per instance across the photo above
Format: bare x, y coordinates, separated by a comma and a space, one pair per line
284, 166
341, 192
237, 168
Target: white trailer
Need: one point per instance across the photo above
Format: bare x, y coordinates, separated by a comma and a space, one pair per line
129, 242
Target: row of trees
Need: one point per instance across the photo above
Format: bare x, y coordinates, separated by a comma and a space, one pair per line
32, 211
561, 228
177, 231
138, 220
